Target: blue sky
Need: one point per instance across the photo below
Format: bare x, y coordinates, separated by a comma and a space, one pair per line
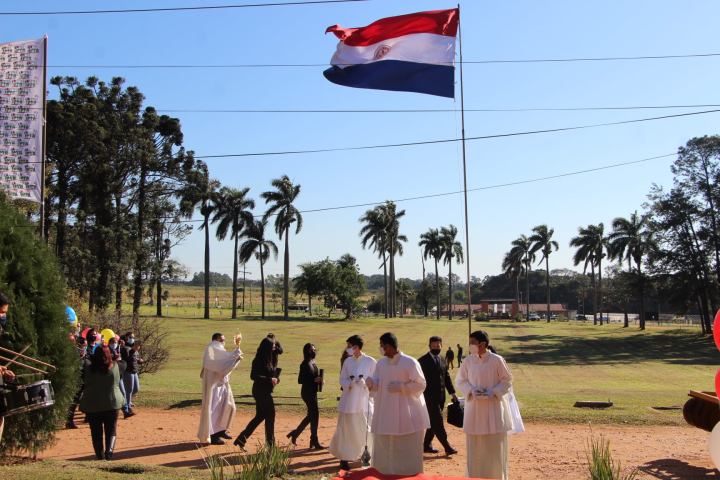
491, 30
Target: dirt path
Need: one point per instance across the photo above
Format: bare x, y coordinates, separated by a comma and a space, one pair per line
167, 437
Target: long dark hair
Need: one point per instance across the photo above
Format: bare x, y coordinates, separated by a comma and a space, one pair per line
101, 360
264, 352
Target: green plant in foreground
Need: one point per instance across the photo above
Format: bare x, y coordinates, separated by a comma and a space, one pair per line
601, 466
267, 462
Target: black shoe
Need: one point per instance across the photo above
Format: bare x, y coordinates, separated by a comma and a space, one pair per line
344, 465
216, 441
240, 442
108, 455
129, 414
224, 434
293, 437
430, 449
450, 451
315, 444
71, 425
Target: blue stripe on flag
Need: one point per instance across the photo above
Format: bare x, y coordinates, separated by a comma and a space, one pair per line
397, 76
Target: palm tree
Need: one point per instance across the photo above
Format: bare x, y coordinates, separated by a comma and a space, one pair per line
632, 239
542, 241
233, 212
202, 193
404, 291
394, 238
259, 246
522, 247
286, 214
590, 244
307, 282
513, 266
432, 247
451, 248
373, 234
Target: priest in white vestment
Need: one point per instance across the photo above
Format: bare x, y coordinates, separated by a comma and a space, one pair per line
218, 403
356, 407
485, 381
400, 417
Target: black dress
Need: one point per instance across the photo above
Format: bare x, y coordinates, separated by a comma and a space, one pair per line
308, 391
262, 388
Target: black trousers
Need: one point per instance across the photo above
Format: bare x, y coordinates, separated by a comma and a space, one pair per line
437, 426
313, 413
264, 412
103, 421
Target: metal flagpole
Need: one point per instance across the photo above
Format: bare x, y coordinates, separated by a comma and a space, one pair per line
467, 230
44, 140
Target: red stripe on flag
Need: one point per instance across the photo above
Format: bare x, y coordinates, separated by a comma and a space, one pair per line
439, 22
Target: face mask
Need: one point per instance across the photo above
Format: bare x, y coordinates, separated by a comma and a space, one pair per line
382, 352
113, 348
3, 320
350, 351
474, 349
130, 341
312, 354
435, 351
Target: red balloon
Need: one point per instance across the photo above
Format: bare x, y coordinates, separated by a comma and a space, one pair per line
84, 333
716, 329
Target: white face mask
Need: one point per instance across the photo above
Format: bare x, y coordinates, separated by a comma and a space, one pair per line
350, 351
474, 349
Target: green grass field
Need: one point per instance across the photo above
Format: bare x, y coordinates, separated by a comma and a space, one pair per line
553, 364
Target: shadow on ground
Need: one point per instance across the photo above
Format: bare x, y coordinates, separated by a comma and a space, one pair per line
673, 469
678, 347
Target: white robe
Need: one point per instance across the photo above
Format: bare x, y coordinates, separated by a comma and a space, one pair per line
400, 418
218, 403
487, 420
354, 410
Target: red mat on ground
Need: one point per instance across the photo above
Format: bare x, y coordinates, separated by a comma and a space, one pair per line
372, 474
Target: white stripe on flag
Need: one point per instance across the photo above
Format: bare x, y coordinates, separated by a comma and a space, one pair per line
419, 48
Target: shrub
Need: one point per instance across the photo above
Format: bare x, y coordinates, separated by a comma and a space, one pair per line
30, 276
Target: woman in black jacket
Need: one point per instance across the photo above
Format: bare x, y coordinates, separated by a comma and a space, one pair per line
264, 376
310, 379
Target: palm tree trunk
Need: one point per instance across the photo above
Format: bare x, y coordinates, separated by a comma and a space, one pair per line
517, 291
450, 302
286, 280
262, 289
437, 289
235, 276
642, 296
392, 282
206, 224
547, 285
385, 283
594, 286
527, 288
310, 304
599, 291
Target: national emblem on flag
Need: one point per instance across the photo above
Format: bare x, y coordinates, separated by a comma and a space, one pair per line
407, 53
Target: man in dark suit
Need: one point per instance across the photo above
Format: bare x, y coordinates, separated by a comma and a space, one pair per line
436, 374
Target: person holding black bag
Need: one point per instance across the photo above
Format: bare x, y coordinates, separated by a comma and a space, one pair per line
438, 380
311, 380
264, 376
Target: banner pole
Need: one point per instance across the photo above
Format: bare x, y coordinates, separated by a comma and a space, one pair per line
467, 229
44, 142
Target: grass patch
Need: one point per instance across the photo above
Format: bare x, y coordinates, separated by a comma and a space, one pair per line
554, 364
68, 470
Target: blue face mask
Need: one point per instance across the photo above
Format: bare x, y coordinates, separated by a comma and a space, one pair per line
3, 320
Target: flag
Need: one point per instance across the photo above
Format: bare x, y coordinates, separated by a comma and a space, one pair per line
408, 53
21, 118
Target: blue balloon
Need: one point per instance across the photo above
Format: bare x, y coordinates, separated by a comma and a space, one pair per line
71, 315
